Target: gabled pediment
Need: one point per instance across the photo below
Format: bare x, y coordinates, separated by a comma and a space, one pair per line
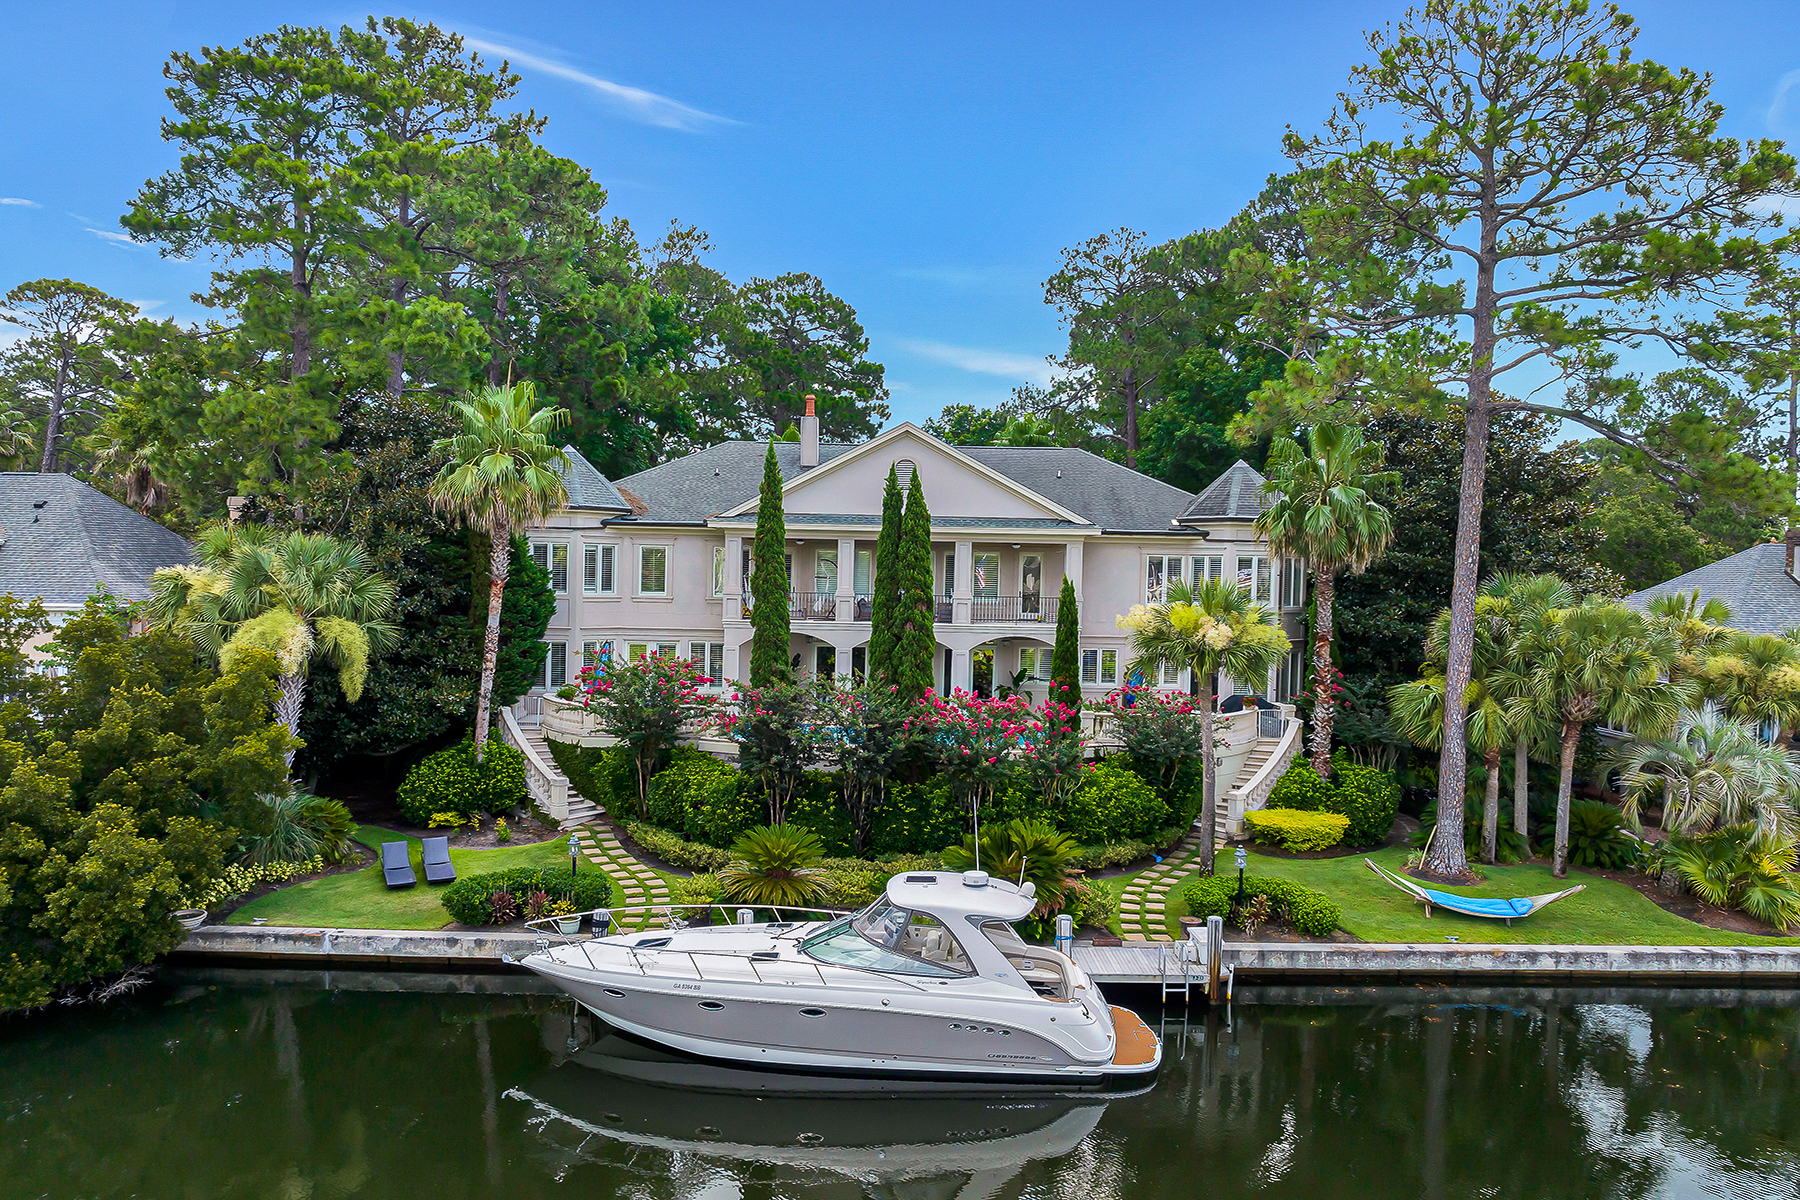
955, 485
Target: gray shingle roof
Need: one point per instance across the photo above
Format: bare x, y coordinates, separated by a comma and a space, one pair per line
588, 488
718, 479
77, 539
1236, 495
1754, 583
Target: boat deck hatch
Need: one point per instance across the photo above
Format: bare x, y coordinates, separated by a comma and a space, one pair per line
765, 955
655, 943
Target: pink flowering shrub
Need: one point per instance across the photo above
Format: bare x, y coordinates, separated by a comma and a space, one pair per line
981, 744
644, 703
1162, 731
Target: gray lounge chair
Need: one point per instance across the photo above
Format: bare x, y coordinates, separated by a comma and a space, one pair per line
437, 860
396, 865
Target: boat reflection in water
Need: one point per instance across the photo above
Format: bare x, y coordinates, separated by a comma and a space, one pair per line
964, 1143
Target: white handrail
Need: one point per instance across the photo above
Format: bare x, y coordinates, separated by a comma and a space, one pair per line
1259, 785
546, 786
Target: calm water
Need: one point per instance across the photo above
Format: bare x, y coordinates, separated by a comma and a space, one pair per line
239, 1086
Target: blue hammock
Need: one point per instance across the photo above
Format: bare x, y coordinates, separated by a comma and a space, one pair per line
1472, 906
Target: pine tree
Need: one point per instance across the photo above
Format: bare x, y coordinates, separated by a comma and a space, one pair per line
915, 647
770, 638
1065, 659
885, 602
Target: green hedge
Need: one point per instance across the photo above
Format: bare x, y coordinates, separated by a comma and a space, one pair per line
603, 776
1308, 911
1185, 796
675, 850
452, 781
1296, 831
1113, 804
1300, 789
467, 899
1114, 854
1368, 797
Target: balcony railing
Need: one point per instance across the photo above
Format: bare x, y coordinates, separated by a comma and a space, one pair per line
1013, 608
815, 606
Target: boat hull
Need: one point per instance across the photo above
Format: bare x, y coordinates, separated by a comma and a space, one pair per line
802, 1031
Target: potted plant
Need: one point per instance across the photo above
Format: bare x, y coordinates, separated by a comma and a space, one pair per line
567, 919
191, 918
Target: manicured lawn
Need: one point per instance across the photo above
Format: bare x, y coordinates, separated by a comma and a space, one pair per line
361, 900
1607, 913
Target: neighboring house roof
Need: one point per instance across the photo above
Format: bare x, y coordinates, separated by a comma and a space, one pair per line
1762, 596
61, 539
588, 488
718, 479
1236, 495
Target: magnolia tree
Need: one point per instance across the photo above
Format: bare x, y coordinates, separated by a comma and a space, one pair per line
780, 731
645, 703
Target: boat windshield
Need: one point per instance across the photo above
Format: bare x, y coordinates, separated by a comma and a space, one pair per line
885, 937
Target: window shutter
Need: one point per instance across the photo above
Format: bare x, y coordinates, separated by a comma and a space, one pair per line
590, 569
608, 578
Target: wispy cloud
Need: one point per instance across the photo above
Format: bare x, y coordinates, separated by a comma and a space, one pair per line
636, 103
117, 239
1778, 106
983, 362
15, 200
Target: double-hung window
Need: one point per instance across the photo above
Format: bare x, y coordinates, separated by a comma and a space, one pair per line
1034, 664
1171, 674
599, 570
709, 659
949, 574
1253, 577
987, 576
554, 558
596, 653
639, 650
653, 570
1208, 568
555, 672
1099, 666
1153, 579
1293, 582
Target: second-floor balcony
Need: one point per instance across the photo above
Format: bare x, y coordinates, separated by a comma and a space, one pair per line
827, 606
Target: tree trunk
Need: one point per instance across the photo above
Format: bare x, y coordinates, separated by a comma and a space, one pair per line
1324, 590
1522, 789
1490, 812
1446, 857
53, 422
287, 707
1130, 389
301, 330
1559, 862
1209, 793
500, 533
497, 364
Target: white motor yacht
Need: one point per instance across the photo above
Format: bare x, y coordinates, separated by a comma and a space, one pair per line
930, 981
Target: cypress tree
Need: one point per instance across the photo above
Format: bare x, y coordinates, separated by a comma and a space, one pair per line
916, 645
770, 638
884, 603
1065, 659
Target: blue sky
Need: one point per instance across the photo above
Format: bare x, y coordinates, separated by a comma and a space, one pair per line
928, 162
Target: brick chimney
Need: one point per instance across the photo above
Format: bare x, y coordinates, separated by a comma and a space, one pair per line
809, 448
1793, 539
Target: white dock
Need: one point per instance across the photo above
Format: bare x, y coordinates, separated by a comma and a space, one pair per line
1134, 962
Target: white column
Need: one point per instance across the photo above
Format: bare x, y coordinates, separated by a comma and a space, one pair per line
846, 592
732, 665
964, 592
1072, 566
734, 586
962, 668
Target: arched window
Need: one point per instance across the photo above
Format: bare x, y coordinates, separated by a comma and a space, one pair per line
904, 468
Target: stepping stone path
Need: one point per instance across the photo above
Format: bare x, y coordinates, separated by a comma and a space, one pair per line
640, 884
1141, 915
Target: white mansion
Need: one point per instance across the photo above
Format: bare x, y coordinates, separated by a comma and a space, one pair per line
659, 561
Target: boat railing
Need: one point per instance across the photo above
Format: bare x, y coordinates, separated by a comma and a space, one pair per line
601, 919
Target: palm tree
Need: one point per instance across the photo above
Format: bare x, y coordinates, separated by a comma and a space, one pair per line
1418, 709
1508, 604
15, 439
1595, 660
1322, 512
1755, 677
300, 596
1698, 628
502, 476
1712, 772
1212, 627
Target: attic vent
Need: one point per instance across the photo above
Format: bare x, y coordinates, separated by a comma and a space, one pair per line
905, 468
